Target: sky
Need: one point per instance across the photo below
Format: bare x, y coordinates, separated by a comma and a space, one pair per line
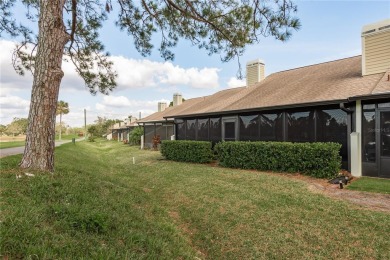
330, 30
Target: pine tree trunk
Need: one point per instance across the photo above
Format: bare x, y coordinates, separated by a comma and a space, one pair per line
40, 139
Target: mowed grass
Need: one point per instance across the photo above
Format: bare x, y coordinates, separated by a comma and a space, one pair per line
377, 185
67, 137
11, 144
99, 205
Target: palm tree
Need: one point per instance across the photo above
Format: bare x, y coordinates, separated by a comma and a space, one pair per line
62, 109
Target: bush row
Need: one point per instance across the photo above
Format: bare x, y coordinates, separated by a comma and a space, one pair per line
314, 159
187, 151
320, 160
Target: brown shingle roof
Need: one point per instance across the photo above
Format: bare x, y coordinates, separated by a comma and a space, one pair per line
124, 125
325, 82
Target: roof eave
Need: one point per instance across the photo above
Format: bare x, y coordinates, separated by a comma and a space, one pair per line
370, 96
154, 121
256, 109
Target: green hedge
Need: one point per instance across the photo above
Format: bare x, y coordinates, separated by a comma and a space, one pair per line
315, 159
187, 151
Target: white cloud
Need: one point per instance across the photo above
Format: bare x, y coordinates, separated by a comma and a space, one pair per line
100, 107
145, 73
12, 106
132, 74
124, 102
13, 102
234, 82
120, 107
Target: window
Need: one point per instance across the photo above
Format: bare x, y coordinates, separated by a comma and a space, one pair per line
383, 105
368, 134
385, 134
249, 128
230, 131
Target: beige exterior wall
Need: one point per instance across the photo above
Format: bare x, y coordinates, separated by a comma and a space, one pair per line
376, 48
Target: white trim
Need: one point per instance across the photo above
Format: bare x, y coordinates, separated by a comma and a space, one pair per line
356, 143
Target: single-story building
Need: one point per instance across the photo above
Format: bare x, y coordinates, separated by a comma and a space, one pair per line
121, 131
345, 101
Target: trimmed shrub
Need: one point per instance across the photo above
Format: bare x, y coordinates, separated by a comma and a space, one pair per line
320, 160
187, 151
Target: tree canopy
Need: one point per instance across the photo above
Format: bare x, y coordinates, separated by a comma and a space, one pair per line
62, 109
17, 126
223, 27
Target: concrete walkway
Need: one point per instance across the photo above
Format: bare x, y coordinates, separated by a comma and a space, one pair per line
19, 150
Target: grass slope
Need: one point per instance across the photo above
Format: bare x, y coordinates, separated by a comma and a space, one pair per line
98, 205
371, 185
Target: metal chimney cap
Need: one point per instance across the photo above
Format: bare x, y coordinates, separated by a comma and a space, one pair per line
254, 62
374, 27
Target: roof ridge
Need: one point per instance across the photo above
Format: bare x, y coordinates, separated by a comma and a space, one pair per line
316, 64
227, 89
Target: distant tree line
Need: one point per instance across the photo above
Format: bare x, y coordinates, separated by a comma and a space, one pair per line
102, 126
16, 127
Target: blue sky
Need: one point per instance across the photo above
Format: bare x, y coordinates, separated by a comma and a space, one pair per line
330, 30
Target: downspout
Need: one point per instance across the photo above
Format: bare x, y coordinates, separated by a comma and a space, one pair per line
345, 109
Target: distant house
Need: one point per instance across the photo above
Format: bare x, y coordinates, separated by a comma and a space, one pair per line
345, 101
120, 131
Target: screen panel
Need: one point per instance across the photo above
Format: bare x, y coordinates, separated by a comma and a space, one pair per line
271, 127
332, 127
249, 128
215, 129
191, 129
181, 131
203, 129
149, 134
300, 126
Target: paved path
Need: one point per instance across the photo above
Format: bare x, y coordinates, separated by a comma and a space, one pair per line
18, 150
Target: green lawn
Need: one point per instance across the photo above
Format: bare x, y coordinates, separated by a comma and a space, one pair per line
99, 205
11, 144
67, 137
371, 184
